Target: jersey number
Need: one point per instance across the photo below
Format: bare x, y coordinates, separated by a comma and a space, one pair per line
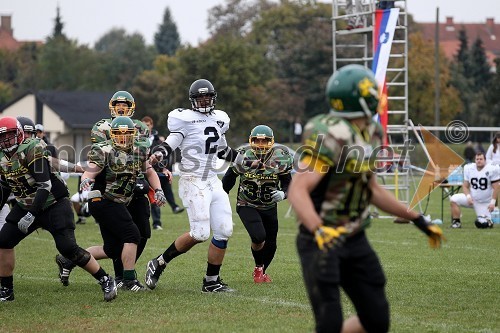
481, 183
213, 136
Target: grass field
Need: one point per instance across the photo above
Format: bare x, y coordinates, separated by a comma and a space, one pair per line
455, 289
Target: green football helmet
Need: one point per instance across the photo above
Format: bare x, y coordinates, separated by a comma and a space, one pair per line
122, 96
352, 92
122, 132
261, 139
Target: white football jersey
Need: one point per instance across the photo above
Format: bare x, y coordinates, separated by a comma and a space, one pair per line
203, 136
480, 182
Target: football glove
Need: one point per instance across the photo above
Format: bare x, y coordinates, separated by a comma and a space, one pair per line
277, 196
432, 231
328, 237
86, 184
160, 198
25, 222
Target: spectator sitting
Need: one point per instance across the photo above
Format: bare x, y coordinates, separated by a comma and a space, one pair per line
493, 153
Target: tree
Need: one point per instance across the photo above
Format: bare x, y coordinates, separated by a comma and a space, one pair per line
167, 39
59, 25
297, 38
493, 96
421, 84
123, 57
236, 17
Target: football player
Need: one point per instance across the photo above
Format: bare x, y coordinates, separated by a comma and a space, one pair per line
42, 202
258, 192
113, 167
331, 193
122, 103
199, 133
480, 190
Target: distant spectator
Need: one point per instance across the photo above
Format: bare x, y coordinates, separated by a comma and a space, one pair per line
469, 152
40, 133
479, 148
493, 152
385, 4
354, 21
297, 130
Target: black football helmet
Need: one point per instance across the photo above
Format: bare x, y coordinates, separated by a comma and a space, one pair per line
28, 126
202, 95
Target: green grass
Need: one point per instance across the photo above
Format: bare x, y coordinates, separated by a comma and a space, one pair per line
455, 289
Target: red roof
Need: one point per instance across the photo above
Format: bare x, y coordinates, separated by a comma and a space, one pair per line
488, 32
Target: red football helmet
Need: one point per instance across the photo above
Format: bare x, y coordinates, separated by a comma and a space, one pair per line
11, 134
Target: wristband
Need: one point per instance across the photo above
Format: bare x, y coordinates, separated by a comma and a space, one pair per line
493, 201
468, 197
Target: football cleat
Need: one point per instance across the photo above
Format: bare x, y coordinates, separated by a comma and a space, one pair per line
108, 286
178, 210
258, 274
153, 271
6, 294
119, 282
216, 286
267, 279
456, 225
65, 268
132, 285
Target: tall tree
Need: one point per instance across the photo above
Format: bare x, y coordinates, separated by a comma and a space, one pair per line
59, 25
167, 39
480, 69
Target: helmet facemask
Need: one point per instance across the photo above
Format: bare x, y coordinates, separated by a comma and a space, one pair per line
123, 137
261, 145
203, 103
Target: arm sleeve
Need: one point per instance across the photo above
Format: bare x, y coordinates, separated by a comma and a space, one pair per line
229, 180
285, 180
39, 169
173, 140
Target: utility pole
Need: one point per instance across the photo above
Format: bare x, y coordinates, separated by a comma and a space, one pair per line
436, 76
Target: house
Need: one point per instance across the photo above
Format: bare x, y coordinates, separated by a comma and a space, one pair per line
67, 117
488, 32
7, 40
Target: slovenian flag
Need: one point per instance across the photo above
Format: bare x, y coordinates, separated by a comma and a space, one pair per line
385, 24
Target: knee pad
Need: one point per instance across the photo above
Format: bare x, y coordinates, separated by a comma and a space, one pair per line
80, 258
200, 234
221, 244
224, 231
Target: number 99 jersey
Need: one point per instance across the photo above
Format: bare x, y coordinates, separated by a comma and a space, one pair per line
199, 136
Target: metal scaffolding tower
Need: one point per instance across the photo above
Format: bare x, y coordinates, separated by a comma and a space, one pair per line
356, 46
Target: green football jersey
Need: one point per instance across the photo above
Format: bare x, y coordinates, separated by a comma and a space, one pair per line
256, 186
16, 173
101, 132
120, 168
342, 197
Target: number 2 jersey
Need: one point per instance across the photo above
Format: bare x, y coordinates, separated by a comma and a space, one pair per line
17, 174
256, 185
335, 146
480, 181
199, 136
